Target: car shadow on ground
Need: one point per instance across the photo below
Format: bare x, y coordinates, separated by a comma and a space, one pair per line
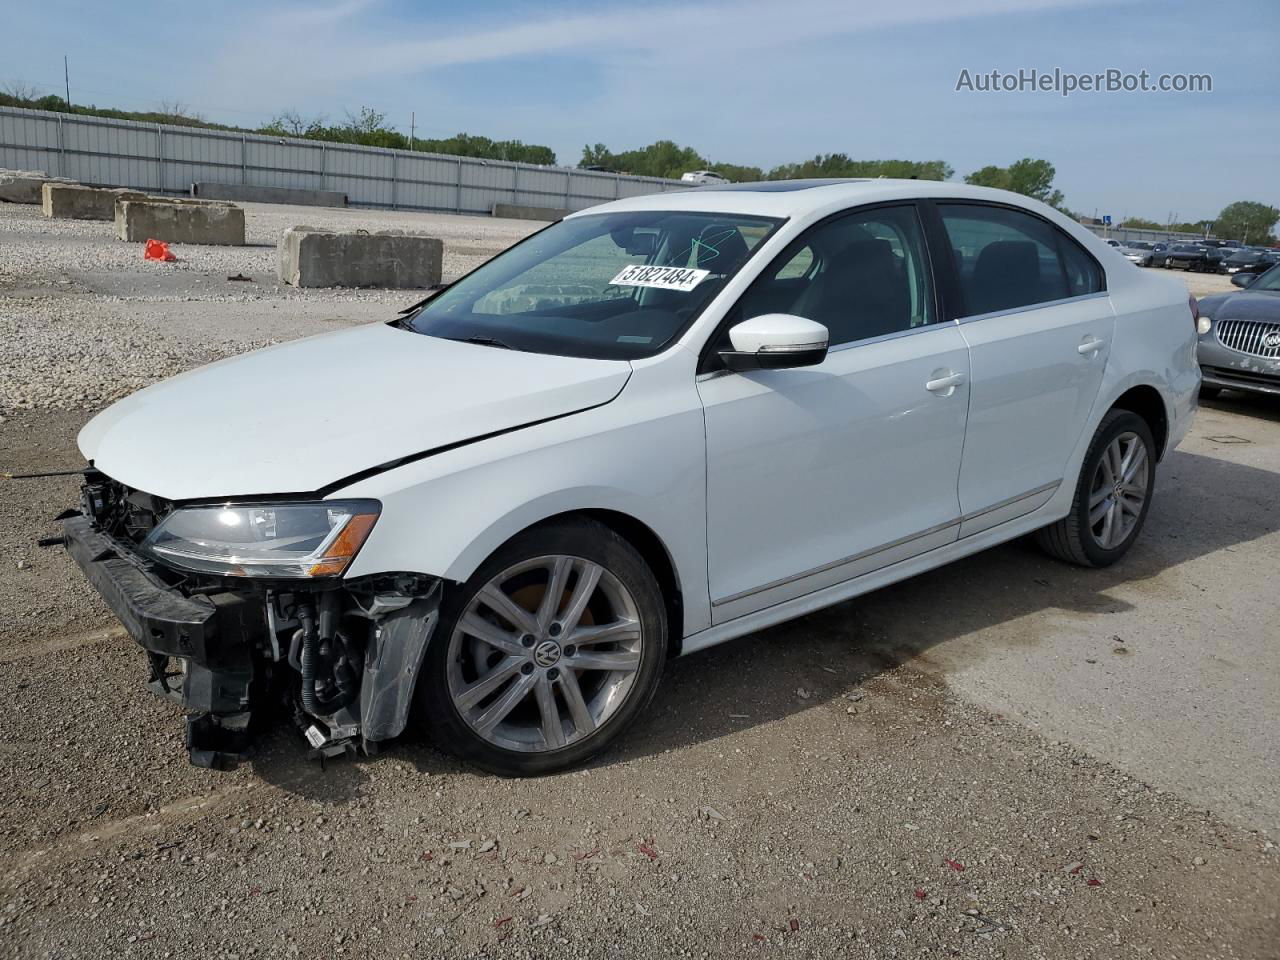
756, 680
1261, 405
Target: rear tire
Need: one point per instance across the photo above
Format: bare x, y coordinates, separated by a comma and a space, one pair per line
1113, 495
520, 684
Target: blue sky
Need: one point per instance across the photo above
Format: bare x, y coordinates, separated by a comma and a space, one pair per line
741, 80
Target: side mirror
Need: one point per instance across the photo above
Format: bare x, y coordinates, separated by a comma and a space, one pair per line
1244, 279
775, 341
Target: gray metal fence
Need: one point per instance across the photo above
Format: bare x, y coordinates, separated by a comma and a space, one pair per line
159, 158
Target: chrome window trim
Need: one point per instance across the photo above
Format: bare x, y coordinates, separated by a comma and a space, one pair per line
1033, 306
896, 335
839, 348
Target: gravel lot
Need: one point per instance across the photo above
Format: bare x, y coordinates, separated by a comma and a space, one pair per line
1006, 758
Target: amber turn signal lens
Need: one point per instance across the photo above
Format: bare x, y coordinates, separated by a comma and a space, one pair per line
345, 546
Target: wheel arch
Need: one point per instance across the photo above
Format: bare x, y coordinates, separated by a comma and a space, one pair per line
1148, 403
655, 554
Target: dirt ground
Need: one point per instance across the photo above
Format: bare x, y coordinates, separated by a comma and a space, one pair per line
1007, 758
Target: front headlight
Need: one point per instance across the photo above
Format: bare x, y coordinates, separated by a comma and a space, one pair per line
1204, 325
294, 540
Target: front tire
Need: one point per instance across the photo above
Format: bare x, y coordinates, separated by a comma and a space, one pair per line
1113, 495
547, 653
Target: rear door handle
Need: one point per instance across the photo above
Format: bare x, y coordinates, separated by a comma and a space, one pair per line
946, 384
1089, 346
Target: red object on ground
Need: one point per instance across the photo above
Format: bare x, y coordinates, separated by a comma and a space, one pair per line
647, 850
955, 865
157, 250
920, 894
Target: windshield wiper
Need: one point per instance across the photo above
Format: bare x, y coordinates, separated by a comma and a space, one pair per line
484, 342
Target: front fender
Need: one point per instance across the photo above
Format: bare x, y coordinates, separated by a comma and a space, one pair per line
642, 456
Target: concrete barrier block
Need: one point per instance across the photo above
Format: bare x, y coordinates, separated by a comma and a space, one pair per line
179, 220
392, 259
249, 193
24, 186
73, 201
516, 211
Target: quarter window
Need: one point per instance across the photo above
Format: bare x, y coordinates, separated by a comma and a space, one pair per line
862, 275
1008, 259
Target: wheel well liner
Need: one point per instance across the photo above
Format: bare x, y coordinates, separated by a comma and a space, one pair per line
1147, 403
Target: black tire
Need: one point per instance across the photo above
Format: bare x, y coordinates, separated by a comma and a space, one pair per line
1071, 538
583, 538
1208, 393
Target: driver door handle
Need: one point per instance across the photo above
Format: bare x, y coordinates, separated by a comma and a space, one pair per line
1090, 346
945, 384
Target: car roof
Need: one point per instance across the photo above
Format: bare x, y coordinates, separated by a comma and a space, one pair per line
798, 198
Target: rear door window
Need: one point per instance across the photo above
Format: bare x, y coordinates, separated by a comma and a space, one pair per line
1008, 259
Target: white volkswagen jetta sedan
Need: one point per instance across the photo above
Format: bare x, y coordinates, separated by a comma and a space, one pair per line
654, 426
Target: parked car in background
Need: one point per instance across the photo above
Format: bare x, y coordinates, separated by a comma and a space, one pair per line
702, 178
1239, 347
759, 400
1138, 251
1186, 256
1250, 260
1112, 242
1214, 257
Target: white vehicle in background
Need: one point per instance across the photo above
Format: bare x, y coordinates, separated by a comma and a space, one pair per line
703, 178
1138, 252
659, 424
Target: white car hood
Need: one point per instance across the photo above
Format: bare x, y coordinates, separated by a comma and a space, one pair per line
296, 417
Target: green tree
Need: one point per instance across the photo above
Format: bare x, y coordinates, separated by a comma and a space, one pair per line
1247, 221
842, 165
1028, 176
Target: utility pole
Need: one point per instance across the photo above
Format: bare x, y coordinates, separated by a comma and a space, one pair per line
66, 76
412, 119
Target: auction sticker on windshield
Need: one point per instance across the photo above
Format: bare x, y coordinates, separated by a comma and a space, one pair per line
665, 278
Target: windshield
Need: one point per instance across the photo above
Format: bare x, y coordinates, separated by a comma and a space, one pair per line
1267, 281
613, 286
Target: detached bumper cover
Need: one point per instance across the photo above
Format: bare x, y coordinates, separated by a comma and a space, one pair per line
214, 636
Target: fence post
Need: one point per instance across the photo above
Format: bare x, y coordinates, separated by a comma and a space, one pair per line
617, 185
160, 158
244, 159
458, 205
393, 179
515, 184
568, 187
324, 167
62, 151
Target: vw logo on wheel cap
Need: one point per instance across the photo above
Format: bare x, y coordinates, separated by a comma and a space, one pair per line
547, 653
1272, 340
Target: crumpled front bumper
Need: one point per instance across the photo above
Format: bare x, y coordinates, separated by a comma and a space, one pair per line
213, 634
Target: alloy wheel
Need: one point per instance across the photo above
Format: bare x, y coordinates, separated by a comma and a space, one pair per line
1119, 490
544, 654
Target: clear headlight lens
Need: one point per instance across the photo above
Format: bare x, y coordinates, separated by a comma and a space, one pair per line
1204, 325
295, 540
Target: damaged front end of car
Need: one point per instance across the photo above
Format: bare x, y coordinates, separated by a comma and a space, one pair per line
241, 606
